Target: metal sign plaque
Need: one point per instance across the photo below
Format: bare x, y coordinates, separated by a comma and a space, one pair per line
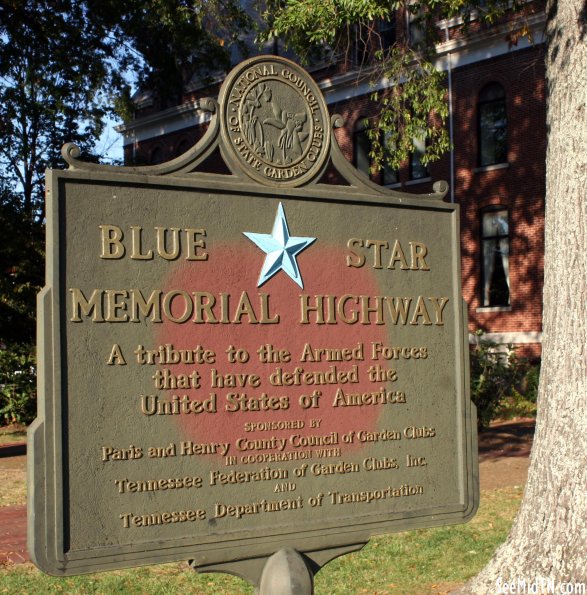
230, 365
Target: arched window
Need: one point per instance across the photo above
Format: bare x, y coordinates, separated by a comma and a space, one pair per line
387, 32
492, 125
156, 156
362, 147
495, 257
389, 175
418, 170
183, 147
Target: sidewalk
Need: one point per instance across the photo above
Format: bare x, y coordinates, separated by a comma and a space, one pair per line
13, 519
503, 461
13, 535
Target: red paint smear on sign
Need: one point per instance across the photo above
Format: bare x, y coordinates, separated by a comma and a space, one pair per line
232, 269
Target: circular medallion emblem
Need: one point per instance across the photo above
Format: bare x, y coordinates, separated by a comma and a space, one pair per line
275, 123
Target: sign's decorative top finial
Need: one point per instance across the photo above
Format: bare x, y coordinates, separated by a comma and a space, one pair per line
275, 122
281, 250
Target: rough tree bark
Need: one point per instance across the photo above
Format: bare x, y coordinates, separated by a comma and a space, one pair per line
549, 536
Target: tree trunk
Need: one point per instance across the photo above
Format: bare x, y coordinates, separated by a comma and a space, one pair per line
549, 536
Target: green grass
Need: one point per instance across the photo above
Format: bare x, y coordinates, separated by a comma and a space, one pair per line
168, 579
411, 563
12, 470
423, 561
12, 433
12, 488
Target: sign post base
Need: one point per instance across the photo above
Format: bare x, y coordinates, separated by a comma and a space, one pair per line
286, 573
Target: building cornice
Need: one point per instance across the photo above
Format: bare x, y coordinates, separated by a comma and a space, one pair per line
164, 122
513, 338
450, 55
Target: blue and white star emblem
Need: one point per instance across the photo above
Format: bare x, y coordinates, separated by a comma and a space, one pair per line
281, 250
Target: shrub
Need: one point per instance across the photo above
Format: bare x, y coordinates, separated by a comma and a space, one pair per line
18, 384
531, 383
495, 373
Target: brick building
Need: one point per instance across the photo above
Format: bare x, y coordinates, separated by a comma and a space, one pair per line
496, 169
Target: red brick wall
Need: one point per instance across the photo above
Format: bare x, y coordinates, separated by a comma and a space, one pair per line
520, 187
163, 148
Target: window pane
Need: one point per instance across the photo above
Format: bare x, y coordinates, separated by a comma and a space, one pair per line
417, 169
495, 223
362, 149
390, 175
491, 92
156, 156
387, 32
492, 125
417, 30
495, 259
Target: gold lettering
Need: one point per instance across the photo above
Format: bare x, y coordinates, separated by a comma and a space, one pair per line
350, 309
109, 453
85, 307
187, 309
439, 304
266, 317
398, 309
136, 241
138, 305
380, 397
341, 309
116, 357
418, 252
397, 255
112, 246
318, 354
377, 246
421, 312
113, 306
176, 405
130, 519
193, 244
240, 510
376, 309
125, 485
244, 308
203, 303
307, 308
415, 461
354, 259
167, 240
162, 244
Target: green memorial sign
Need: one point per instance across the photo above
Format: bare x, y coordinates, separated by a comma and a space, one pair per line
236, 365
